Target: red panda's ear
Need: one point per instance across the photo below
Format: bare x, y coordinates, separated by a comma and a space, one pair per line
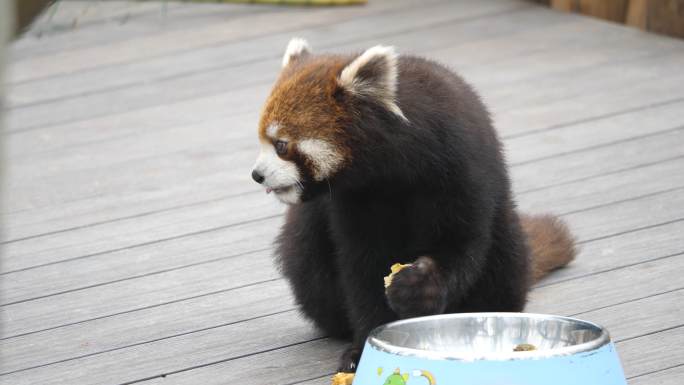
296, 49
373, 75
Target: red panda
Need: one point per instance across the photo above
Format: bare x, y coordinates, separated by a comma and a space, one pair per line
388, 159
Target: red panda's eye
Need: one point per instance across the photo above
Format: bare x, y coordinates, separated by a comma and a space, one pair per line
281, 148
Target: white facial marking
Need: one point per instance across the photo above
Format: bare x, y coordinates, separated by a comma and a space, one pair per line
322, 154
296, 47
383, 88
279, 175
272, 130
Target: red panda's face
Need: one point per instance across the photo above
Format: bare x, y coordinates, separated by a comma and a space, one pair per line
303, 128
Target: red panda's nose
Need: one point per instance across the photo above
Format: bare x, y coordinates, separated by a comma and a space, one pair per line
257, 177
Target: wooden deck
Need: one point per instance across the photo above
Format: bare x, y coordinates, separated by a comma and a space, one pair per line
136, 243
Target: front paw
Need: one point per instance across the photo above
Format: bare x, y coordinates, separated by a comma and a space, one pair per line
418, 290
349, 360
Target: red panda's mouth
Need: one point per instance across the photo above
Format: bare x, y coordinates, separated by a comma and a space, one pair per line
279, 190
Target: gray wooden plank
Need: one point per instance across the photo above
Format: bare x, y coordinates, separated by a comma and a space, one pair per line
606, 189
159, 357
211, 63
140, 325
252, 212
140, 261
154, 173
651, 353
616, 286
227, 134
288, 365
222, 343
615, 46
634, 247
630, 322
673, 376
640, 317
204, 36
625, 216
115, 297
589, 97
595, 162
595, 134
121, 205
106, 27
204, 63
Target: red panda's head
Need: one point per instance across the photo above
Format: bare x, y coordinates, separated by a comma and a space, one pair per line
304, 127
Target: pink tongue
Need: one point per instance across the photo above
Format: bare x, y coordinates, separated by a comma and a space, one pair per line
268, 190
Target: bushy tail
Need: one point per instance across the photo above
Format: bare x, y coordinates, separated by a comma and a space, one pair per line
551, 242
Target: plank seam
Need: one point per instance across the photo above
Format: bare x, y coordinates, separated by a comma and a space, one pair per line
132, 277
143, 308
137, 15
140, 215
369, 15
628, 301
597, 176
629, 231
608, 270
150, 243
650, 333
148, 341
598, 146
623, 200
655, 371
257, 60
594, 118
224, 360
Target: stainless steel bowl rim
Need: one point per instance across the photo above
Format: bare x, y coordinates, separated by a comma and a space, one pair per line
603, 339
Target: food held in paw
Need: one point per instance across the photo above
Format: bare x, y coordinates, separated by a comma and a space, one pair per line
395, 269
524, 348
343, 379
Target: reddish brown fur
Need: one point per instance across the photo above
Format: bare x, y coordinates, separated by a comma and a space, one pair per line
315, 86
551, 241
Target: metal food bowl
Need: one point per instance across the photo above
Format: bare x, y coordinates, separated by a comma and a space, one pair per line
478, 348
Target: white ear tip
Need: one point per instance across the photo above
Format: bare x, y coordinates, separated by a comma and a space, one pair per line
382, 87
295, 47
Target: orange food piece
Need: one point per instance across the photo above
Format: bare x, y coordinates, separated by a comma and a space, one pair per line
395, 269
343, 379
